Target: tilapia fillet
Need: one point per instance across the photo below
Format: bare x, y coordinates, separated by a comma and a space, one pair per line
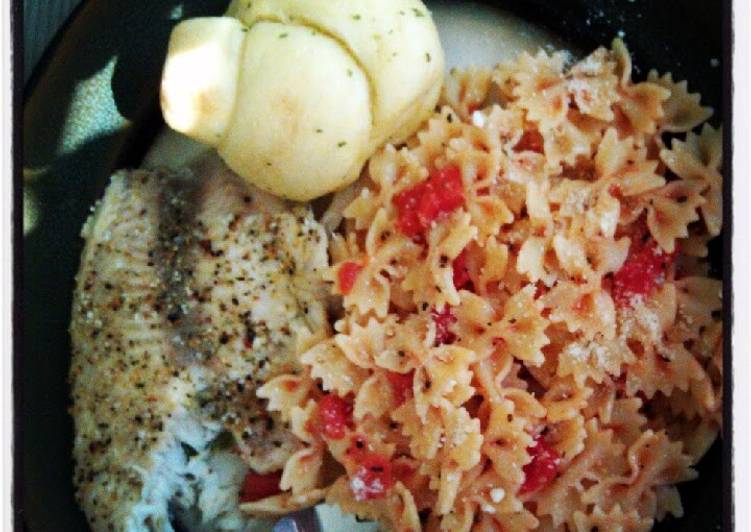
193, 290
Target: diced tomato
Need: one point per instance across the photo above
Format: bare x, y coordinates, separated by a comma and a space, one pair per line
402, 471
531, 140
443, 320
335, 415
348, 275
401, 384
418, 206
542, 469
643, 270
461, 273
256, 487
445, 193
406, 203
540, 289
372, 479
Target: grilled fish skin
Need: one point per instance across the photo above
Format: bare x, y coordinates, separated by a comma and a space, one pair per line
193, 290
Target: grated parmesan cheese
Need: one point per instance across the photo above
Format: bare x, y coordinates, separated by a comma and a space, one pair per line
497, 494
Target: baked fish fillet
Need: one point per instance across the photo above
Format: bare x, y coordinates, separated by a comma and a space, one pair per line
193, 290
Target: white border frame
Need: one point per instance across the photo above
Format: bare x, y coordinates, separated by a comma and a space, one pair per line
6, 265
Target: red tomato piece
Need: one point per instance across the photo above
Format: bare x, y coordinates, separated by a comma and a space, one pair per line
335, 415
540, 289
401, 384
372, 479
542, 469
402, 471
643, 270
461, 273
443, 320
531, 140
445, 193
256, 486
406, 203
347, 276
420, 205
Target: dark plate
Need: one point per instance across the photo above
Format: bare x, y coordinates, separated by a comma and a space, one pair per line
91, 107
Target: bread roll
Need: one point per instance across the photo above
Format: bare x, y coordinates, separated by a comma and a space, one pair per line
302, 118
297, 94
395, 41
199, 81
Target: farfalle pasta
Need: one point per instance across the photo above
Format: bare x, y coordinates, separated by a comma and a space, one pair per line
528, 336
